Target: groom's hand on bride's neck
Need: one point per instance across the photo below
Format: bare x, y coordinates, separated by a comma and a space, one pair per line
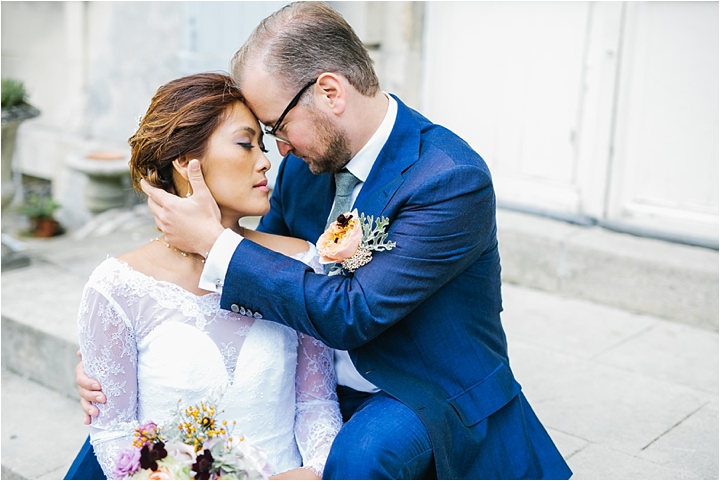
191, 224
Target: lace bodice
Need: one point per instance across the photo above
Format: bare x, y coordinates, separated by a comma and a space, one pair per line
150, 343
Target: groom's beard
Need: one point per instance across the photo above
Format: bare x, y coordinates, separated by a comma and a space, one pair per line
336, 154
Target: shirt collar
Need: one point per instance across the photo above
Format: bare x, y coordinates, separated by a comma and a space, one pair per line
363, 162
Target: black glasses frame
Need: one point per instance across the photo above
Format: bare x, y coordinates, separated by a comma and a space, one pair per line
273, 131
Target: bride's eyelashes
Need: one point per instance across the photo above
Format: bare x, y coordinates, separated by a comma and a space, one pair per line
249, 146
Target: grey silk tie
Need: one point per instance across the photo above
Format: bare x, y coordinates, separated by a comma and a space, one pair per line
345, 182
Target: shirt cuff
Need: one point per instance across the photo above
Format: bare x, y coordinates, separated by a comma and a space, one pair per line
218, 261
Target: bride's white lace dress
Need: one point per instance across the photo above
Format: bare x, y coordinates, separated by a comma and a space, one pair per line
150, 343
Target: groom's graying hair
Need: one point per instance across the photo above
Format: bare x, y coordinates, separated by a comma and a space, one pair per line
302, 40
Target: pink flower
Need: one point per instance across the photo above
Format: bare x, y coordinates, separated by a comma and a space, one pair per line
148, 429
128, 462
341, 239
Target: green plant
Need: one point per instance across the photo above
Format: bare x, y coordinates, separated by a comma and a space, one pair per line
13, 93
37, 206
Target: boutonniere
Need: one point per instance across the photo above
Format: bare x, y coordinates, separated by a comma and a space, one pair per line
350, 241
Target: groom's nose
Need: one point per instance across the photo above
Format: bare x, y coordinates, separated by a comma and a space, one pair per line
284, 148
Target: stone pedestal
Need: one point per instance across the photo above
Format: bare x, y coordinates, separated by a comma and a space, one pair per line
11, 120
108, 174
9, 133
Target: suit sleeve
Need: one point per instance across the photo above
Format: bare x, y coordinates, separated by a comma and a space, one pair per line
440, 229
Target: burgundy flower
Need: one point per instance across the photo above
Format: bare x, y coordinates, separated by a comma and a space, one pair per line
149, 456
203, 465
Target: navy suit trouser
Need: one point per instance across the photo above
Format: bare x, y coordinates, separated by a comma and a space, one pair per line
384, 439
86, 465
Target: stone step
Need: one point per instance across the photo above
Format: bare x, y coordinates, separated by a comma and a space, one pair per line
42, 430
672, 281
40, 304
648, 276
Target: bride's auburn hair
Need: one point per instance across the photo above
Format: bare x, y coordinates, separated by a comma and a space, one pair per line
182, 116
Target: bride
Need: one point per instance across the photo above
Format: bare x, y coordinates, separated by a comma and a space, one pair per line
150, 336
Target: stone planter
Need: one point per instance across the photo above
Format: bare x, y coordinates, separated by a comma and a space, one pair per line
11, 120
107, 172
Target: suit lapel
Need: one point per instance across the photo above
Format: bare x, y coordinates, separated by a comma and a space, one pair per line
399, 153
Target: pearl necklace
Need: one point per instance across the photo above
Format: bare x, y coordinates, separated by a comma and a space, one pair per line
197, 257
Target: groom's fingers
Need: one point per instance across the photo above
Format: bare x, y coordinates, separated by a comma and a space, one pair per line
89, 411
156, 211
155, 194
190, 224
156, 198
88, 388
197, 181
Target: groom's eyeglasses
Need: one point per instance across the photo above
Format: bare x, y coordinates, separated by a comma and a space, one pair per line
273, 131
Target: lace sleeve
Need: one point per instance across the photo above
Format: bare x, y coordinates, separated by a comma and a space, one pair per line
317, 415
109, 352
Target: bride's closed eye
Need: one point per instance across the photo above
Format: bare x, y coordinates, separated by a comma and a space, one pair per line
249, 145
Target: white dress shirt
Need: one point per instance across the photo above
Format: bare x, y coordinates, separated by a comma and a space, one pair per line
218, 260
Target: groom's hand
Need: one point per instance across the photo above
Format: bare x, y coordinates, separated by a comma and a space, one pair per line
89, 390
191, 224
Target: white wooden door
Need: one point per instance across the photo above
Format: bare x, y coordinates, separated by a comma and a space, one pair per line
584, 109
664, 174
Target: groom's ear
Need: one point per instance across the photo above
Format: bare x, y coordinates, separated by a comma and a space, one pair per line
180, 165
333, 91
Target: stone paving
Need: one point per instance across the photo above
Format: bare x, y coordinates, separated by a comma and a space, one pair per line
624, 395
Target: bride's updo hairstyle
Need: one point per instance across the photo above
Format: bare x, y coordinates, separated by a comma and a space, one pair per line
182, 116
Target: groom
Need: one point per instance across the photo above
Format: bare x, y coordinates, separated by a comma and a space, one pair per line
421, 322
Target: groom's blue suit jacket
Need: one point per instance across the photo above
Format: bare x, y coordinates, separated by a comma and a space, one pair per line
422, 321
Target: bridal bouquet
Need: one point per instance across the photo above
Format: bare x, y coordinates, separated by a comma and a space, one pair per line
194, 445
350, 241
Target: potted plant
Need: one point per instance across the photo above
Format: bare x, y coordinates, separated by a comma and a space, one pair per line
15, 110
41, 210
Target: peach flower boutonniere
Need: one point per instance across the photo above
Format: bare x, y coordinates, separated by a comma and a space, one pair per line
350, 241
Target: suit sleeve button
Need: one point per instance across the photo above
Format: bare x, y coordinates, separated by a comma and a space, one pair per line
235, 308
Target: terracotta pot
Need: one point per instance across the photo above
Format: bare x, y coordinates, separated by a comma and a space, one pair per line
45, 227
